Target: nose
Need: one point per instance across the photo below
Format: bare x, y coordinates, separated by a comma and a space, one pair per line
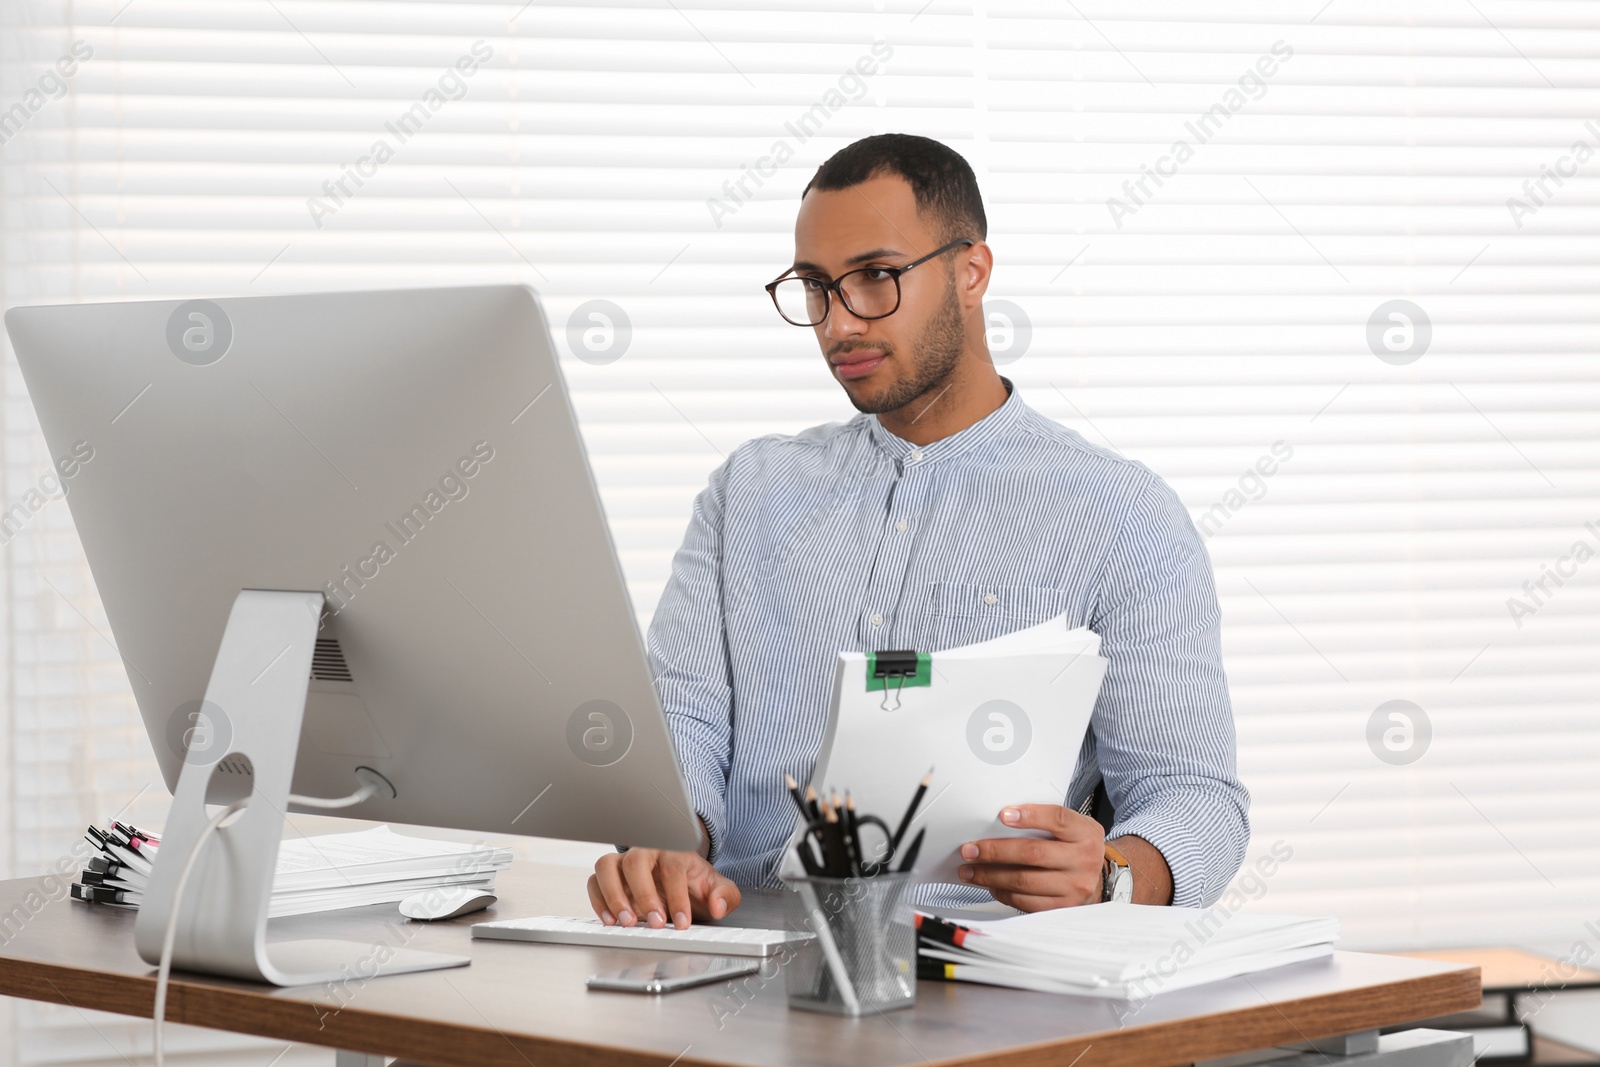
841, 324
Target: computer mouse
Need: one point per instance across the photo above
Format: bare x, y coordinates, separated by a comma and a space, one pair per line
431, 905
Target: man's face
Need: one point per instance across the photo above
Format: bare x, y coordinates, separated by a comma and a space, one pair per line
883, 364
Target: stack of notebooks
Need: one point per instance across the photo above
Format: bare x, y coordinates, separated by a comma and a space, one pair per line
1120, 951
376, 866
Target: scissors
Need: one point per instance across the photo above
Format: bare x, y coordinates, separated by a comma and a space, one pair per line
843, 847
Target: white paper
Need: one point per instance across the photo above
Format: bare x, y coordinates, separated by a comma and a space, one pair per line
1131, 950
1135, 989
373, 866
1042, 682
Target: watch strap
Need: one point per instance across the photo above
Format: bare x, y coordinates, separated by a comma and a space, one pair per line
1115, 861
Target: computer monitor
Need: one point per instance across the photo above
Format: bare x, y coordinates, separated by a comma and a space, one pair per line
384, 500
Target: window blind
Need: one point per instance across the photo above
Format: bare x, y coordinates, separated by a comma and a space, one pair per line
1327, 267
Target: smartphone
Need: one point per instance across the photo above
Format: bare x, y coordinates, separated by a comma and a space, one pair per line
679, 972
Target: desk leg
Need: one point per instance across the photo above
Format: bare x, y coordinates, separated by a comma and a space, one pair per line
1347, 1044
342, 1058
1408, 1048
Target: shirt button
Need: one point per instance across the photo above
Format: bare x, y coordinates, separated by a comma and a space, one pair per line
915, 456
990, 598
877, 619
900, 527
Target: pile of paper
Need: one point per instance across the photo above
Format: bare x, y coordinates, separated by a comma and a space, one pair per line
1124, 951
1001, 722
376, 866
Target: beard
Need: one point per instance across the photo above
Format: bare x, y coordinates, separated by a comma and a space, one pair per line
936, 354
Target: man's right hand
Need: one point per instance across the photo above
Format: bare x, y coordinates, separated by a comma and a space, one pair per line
655, 887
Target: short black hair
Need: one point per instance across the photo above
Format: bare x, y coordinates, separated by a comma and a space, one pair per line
941, 181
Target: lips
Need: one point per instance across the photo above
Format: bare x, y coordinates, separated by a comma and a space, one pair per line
857, 364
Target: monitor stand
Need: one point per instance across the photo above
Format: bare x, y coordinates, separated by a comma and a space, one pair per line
257, 695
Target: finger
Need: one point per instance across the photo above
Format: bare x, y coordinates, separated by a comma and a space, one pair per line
639, 871
724, 898
1063, 824
674, 876
608, 879
1062, 888
1032, 880
1027, 902
597, 901
713, 895
1029, 852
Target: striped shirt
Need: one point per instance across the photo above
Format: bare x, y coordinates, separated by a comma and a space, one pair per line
847, 537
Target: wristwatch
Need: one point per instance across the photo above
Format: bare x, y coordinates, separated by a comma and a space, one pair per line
1116, 877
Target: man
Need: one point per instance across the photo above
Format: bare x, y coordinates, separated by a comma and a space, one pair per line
947, 512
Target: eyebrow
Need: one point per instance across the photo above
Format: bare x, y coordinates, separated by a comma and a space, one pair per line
864, 257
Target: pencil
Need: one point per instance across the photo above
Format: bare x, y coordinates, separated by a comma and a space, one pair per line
911, 853
802, 847
911, 811
852, 835
833, 857
799, 798
808, 859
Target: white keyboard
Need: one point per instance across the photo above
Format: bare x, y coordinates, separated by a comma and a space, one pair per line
715, 940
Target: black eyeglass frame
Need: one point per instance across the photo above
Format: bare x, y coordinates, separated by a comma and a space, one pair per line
833, 288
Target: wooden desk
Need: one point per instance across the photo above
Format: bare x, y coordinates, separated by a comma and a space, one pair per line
1511, 970
1509, 973
522, 1004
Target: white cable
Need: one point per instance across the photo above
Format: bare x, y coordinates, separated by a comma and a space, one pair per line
368, 790
164, 971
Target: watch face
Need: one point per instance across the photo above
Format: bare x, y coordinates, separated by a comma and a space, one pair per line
1122, 885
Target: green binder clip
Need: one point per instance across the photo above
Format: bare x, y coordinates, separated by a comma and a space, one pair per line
894, 670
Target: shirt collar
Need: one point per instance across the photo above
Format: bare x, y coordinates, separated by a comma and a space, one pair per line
987, 428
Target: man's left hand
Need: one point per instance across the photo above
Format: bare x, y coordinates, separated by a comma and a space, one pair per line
1036, 874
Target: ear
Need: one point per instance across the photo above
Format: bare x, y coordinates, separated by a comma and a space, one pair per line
972, 276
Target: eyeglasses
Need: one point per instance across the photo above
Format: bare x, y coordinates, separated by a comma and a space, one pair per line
868, 293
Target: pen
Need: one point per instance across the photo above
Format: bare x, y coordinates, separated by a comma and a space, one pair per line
911, 811
811, 802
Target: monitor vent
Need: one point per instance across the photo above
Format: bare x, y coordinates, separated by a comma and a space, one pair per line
327, 662
236, 763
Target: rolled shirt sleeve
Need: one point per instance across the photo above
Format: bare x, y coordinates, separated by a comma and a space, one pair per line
688, 649
1163, 725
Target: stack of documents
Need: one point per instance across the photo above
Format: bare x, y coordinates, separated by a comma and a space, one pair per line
1121, 951
1000, 722
376, 866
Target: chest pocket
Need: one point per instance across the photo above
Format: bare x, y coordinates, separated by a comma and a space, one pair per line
965, 612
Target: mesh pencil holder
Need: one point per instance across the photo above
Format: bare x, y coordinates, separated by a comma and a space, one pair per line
863, 955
